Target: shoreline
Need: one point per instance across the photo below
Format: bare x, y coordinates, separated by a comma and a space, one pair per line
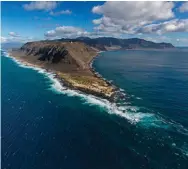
97, 74
66, 82
109, 106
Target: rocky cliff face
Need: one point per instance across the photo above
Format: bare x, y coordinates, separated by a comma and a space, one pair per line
69, 53
70, 63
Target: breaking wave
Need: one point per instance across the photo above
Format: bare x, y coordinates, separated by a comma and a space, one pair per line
130, 113
133, 114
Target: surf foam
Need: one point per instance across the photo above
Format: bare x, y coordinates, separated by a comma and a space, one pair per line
111, 108
131, 113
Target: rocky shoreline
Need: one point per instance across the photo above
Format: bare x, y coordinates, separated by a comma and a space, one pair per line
64, 82
111, 98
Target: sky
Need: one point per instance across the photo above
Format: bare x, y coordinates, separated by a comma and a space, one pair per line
158, 21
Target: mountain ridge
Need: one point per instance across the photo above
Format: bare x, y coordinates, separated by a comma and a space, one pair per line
70, 60
110, 43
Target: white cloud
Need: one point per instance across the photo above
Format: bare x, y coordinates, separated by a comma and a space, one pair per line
182, 40
3, 39
63, 12
13, 34
184, 7
43, 5
136, 11
65, 31
14, 38
11, 39
126, 17
73, 32
175, 25
97, 21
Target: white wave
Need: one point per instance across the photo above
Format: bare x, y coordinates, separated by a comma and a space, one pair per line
111, 108
121, 90
184, 149
128, 112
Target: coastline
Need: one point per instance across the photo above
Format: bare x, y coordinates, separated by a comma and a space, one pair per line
66, 81
110, 107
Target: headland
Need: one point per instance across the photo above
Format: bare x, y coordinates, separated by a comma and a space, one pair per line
71, 62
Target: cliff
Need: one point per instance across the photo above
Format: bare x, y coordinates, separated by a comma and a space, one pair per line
71, 55
69, 61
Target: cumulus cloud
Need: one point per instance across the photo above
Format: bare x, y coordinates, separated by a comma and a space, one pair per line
175, 25
136, 11
43, 5
184, 7
63, 12
126, 17
66, 31
13, 34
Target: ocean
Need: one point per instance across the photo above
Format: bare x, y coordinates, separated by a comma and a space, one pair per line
45, 125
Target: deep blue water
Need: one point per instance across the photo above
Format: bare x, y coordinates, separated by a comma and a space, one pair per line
45, 128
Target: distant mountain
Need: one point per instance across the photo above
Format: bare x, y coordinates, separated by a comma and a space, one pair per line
109, 43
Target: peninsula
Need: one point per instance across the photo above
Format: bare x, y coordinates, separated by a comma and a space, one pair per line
70, 60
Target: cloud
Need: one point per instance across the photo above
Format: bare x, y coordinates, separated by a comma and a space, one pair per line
43, 5
63, 12
65, 31
73, 32
136, 11
184, 7
126, 17
175, 25
13, 34
97, 21
182, 40
14, 37
3, 39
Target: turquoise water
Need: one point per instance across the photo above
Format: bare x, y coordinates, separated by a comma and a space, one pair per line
45, 125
